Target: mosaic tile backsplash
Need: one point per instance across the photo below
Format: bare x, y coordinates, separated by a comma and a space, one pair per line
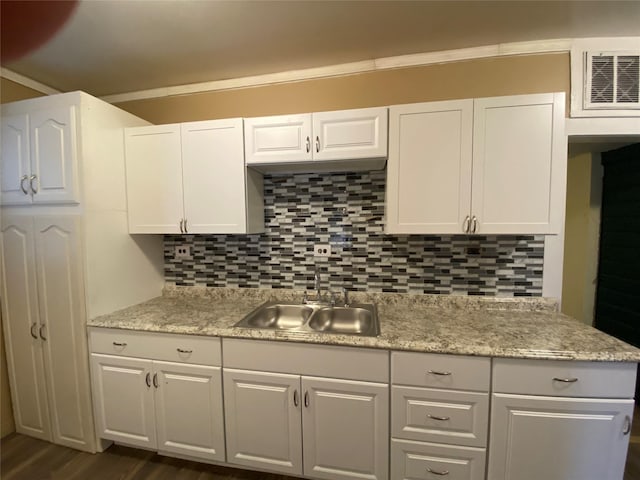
347, 211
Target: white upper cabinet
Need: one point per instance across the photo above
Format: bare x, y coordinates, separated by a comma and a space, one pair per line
39, 157
284, 138
429, 168
326, 136
483, 166
191, 178
154, 179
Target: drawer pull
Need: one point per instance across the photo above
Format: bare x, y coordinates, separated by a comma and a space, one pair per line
120, 344
436, 372
565, 380
295, 397
436, 472
148, 380
155, 380
627, 425
435, 417
184, 351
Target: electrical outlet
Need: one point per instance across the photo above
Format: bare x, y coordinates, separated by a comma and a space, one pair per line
322, 250
183, 251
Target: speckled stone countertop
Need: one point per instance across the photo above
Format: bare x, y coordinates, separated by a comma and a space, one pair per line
496, 327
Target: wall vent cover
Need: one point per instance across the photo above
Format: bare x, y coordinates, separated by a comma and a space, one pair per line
613, 80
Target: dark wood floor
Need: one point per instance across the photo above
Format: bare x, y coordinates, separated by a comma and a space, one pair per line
25, 458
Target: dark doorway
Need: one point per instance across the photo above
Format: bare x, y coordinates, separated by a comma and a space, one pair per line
617, 310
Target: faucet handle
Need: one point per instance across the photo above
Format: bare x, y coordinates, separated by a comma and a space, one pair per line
305, 297
345, 293
332, 298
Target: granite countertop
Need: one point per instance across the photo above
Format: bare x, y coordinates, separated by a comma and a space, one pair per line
514, 328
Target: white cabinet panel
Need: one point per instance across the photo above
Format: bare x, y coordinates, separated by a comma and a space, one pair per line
154, 179
16, 161
558, 438
123, 399
346, 429
21, 327
429, 167
284, 138
430, 461
354, 134
60, 296
214, 176
189, 416
53, 155
263, 420
514, 147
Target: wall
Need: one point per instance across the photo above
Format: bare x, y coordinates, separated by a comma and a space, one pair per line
347, 211
9, 92
467, 79
582, 235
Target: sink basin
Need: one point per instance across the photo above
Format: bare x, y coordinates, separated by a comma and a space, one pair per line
353, 320
277, 316
361, 319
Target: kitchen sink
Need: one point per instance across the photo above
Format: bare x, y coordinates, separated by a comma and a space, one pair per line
357, 319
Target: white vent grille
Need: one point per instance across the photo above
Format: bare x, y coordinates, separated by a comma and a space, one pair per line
613, 80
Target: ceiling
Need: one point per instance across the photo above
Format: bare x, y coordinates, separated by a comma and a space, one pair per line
110, 47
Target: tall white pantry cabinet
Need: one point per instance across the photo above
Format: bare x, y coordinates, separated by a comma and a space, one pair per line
66, 254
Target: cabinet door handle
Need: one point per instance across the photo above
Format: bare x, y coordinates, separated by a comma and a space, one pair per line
181, 223
565, 380
119, 344
295, 398
441, 419
42, 327
306, 399
184, 351
627, 425
31, 179
317, 143
22, 187
33, 334
436, 372
185, 226
155, 380
466, 224
474, 222
308, 144
436, 472
147, 380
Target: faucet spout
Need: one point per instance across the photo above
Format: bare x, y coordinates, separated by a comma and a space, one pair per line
317, 286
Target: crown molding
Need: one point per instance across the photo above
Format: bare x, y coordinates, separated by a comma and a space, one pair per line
27, 82
387, 63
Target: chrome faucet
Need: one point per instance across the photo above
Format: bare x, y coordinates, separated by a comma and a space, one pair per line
317, 287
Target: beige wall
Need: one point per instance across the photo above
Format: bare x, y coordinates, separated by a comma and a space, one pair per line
468, 79
9, 92
582, 235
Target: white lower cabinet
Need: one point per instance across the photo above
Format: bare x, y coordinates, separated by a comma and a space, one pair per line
563, 437
169, 406
340, 427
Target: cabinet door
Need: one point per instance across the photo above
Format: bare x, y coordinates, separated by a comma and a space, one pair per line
350, 134
154, 179
281, 139
189, 417
346, 429
62, 318
558, 438
54, 155
15, 163
429, 167
263, 420
123, 399
214, 176
519, 163
20, 319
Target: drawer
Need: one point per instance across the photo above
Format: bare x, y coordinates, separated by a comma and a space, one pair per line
564, 378
443, 416
429, 461
156, 346
440, 371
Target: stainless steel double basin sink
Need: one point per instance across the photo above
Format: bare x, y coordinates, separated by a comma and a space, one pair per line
356, 319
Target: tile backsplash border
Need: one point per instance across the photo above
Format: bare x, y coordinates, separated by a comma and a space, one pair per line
347, 211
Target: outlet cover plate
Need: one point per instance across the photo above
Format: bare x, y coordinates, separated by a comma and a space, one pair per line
322, 250
183, 251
